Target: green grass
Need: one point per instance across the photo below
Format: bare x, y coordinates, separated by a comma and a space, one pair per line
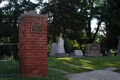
75, 65
71, 65
8, 68
64, 64
117, 70
52, 75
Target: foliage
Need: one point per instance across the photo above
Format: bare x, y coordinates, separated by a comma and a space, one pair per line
111, 19
0, 1
62, 17
9, 17
73, 18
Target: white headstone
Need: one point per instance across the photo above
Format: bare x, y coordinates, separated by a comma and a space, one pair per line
60, 48
53, 49
78, 53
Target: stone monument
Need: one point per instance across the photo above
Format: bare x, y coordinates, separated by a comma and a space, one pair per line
60, 48
93, 50
78, 53
53, 49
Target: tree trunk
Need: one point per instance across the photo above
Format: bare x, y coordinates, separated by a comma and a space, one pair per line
54, 39
95, 34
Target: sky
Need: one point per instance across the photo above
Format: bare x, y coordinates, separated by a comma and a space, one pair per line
3, 3
6, 2
93, 22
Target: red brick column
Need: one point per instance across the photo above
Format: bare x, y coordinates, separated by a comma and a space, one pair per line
32, 46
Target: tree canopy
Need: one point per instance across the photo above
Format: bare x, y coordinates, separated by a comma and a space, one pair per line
9, 18
71, 17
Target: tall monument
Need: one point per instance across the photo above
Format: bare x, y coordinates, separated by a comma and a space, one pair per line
60, 48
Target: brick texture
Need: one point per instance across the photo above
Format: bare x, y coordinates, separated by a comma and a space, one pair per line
32, 47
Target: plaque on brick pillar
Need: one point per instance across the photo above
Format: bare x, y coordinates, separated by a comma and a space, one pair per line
36, 28
33, 51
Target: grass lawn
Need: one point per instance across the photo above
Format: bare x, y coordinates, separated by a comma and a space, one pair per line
74, 65
77, 65
52, 75
9, 67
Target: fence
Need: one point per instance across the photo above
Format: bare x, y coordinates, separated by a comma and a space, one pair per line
9, 62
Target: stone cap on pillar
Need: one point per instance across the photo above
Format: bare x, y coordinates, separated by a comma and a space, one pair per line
33, 13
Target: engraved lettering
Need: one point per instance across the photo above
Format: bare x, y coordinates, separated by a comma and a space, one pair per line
36, 28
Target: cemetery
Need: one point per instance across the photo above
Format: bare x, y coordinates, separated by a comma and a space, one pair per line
54, 40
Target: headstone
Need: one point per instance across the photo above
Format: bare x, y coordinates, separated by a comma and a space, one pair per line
78, 53
118, 53
53, 49
93, 50
60, 48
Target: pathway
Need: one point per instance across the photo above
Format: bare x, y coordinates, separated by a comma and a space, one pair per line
106, 74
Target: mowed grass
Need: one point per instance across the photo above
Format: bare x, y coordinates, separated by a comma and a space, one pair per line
72, 65
77, 65
52, 75
9, 68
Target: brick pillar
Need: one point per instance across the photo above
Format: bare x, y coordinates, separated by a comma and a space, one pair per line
33, 44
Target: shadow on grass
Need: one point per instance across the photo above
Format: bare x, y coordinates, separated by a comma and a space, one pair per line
77, 65
66, 64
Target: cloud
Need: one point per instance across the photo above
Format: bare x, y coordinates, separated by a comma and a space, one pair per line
3, 3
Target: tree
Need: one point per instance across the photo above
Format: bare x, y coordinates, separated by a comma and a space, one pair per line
9, 18
73, 18
0, 1
111, 19
62, 16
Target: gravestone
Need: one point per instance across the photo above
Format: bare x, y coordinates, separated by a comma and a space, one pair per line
118, 53
53, 49
93, 50
33, 44
78, 53
60, 48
